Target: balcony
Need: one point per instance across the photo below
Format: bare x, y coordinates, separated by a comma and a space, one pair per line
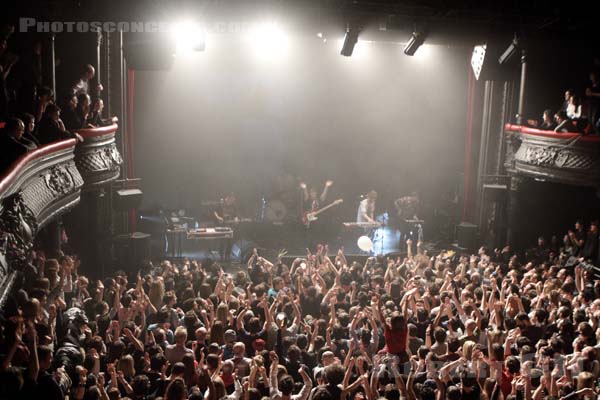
97, 157
46, 183
569, 158
37, 188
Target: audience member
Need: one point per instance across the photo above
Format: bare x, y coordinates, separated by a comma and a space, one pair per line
10, 142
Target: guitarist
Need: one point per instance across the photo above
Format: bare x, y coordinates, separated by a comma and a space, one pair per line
312, 202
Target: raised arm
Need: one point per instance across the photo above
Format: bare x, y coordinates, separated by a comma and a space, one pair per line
323, 196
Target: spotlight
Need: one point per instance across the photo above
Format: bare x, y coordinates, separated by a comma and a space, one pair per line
415, 41
477, 59
189, 36
268, 39
509, 52
350, 40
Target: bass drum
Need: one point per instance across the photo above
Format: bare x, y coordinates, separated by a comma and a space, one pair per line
275, 212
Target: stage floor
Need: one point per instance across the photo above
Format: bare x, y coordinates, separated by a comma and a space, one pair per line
295, 241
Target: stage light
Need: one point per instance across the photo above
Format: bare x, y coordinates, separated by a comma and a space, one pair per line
350, 40
477, 59
415, 41
189, 36
509, 52
269, 39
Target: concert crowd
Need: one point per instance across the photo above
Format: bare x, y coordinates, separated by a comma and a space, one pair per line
446, 326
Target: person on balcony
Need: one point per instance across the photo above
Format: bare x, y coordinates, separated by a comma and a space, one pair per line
74, 115
574, 107
83, 110
52, 129
45, 96
563, 123
82, 86
592, 94
565, 102
547, 123
10, 142
29, 139
95, 118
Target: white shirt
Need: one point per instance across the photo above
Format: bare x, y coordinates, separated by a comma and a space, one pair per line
365, 207
573, 111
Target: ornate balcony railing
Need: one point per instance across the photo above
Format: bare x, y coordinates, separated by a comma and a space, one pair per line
38, 187
569, 158
97, 157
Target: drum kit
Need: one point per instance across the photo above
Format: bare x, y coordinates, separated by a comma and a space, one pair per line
274, 211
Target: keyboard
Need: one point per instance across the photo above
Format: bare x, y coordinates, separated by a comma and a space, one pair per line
210, 233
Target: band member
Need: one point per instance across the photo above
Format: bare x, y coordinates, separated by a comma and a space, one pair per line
366, 208
227, 214
311, 201
407, 209
227, 211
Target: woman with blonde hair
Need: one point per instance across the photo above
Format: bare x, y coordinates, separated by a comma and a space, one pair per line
467, 349
217, 333
156, 292
223, 313
125, 365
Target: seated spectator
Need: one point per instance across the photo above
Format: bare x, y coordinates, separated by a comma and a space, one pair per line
70, 116
563, 123
29, 138
45, 96
565, 103
547, 122
83, 109
574, 107
11, 146
96, 119
51, 128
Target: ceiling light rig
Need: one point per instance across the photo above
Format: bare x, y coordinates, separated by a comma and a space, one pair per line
510, 51
350, 40
416, 40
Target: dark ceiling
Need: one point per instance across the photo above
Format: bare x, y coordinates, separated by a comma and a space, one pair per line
544, 19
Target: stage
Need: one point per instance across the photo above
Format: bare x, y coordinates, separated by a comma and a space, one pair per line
294, 240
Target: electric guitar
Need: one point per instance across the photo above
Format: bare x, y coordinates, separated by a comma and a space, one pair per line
311, 216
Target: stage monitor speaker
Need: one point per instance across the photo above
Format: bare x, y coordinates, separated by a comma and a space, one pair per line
131, 250
127, 199
149, 51
466, 235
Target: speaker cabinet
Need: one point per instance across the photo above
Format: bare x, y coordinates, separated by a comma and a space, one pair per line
466, 235
127, 199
